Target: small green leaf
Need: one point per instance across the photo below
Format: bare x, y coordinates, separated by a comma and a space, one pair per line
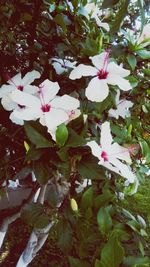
59, 19
42, 172
143, 54
113, 253
87, 198
104, 220
61, 135
132, 61
145, 150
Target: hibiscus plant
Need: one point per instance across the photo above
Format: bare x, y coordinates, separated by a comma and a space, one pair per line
75, 128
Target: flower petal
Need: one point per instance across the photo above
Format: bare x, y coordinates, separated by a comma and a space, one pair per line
104, 25
106, 137
96, 149
26, 114
65, 102
118, 70
119, 152
97, 90
15, 120
30, 77
122, 83
99, 60
82, 70
48, 90
54, 118
7, 103
30, 89
25, 99
5, 89
16, 80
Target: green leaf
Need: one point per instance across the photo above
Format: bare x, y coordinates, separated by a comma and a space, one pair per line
42, 172
88, 168
34, 154
143, 54
103, 199
113, 253
120, 16
98, 264
131, 260
87, 198
35, 133
34, 215
61, 135
59, 19
104, 220
74, 262
145, 150
74, 139
65, 236
23, 173
132, 61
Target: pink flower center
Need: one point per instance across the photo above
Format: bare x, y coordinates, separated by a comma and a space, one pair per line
20, 88
103, 73
46, 108
104, 156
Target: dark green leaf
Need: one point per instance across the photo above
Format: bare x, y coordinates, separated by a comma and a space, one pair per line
120, 16
35, 133
42, 172
74, 262
74, 139
132, 61
104, 220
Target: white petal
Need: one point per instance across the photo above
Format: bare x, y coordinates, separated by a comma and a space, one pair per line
30, 77
54, 118
102, 24
145, 33
7, 103
48, 90
119, 152
96, 149
25, 99
5, 89
82, 70
26, 114
113, 113
58, 68
97, 90
30, 89
15, 120
124, 170
16, 80
113, 68
106, 137
99, 60
65, 102
122, 83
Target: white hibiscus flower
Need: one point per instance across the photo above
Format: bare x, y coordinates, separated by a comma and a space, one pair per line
145, 36
104, 73
111, 154
52, 110
19, 84
94, 12
122, 107
62, 65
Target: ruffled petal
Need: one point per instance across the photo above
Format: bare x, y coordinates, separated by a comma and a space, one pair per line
30, 77
6, 89
48, 90
25, 99
82, 70
16, 80
65, 102
7, 103
98, 60
118, 70
97, 90
119, 152
54, 118
122, 83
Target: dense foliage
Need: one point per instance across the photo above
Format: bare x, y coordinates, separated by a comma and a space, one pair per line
61, 42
